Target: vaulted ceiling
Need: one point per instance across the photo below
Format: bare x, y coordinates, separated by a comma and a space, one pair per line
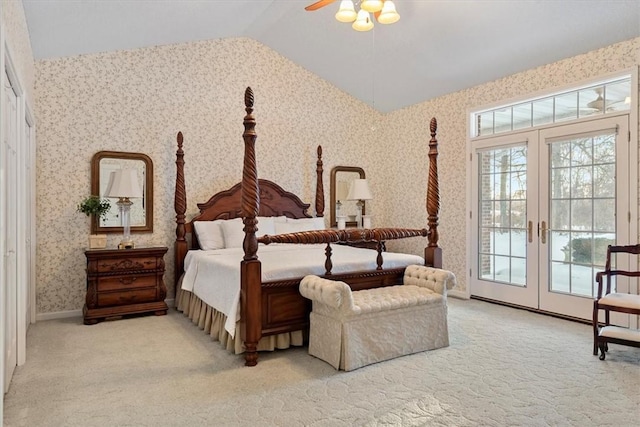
437, 47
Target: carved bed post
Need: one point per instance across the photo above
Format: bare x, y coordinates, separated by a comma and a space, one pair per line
250, 268
432, 253
180, 206
319, 185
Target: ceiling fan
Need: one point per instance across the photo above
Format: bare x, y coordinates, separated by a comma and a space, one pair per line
383, 10
599, 103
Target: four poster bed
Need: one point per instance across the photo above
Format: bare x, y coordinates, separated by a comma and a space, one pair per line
259, 306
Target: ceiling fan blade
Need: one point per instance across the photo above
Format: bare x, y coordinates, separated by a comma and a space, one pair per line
317, 5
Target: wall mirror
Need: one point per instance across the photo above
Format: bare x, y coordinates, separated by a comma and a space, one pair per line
341, 178
141, 217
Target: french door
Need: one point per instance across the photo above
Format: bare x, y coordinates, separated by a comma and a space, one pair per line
546, 203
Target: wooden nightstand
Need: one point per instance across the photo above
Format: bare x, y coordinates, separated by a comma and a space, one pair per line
124, 281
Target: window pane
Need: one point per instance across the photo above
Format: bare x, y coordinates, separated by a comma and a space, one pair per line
585, 98
582, 278
486, 267
581, 182
518, 243
560, 248
616, 96
560, 183
566, 106
518, 213
485, 126
560, 214
604, 180
543, 111
581, 214
518, 271
522, 116
502, 119
604, 215
560, 277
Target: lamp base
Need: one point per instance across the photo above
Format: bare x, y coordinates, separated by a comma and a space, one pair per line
126, 245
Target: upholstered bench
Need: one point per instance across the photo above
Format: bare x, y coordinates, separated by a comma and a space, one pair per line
351, 329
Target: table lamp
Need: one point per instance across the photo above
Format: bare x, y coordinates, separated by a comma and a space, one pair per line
124, 185
359, 191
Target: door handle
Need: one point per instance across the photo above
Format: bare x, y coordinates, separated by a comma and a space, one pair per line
530, 231
543, 233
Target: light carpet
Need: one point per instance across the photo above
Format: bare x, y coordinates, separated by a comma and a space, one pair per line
504, 367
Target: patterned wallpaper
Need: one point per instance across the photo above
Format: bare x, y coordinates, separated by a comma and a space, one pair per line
137, 101
16, 33
407, 132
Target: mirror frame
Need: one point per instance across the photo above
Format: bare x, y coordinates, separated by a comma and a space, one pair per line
95, 189
332, 193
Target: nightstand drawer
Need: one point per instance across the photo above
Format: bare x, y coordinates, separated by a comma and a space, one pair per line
124, 283
127, 264
126, 297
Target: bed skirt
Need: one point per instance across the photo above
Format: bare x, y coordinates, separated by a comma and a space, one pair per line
212, 322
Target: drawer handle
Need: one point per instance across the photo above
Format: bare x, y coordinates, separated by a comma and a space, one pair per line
128, 280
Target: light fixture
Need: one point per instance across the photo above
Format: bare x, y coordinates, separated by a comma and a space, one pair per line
347, 12
123, 184
371, 5
359, 191
363, 21
389, 15
383, 10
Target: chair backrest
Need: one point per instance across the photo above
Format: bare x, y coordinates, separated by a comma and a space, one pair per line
608, 272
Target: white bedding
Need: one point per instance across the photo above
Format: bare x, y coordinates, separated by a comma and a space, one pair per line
214, 276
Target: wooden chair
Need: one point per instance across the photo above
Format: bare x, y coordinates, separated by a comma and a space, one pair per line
616, 302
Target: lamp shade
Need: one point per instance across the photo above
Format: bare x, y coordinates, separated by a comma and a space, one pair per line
347, 12
371, 5
124, 183
359, 190
363, 22
389, 15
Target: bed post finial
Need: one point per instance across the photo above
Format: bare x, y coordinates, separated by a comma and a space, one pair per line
250, 192
180, 206
433, 254
250, 268
319, 185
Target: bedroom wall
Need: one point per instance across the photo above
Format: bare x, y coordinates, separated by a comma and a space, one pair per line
16, 34
138, 100
407, 133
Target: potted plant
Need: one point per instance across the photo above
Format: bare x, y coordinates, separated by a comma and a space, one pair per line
94, 205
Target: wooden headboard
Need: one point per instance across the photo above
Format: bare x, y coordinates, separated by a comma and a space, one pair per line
227, 204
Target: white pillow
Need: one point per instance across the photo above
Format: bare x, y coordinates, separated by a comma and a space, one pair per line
276, 219
290, 227
301, 224
209, 234
315, 223
234, 234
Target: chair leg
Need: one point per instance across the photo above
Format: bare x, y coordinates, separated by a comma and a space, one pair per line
603, 346
595, 328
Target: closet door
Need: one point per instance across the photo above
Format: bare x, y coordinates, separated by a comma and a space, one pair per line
10, 226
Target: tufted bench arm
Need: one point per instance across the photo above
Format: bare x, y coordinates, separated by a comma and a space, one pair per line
330, 292
436, 279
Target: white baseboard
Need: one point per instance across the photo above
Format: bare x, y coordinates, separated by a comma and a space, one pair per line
58, 315
458, 294
40, 317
